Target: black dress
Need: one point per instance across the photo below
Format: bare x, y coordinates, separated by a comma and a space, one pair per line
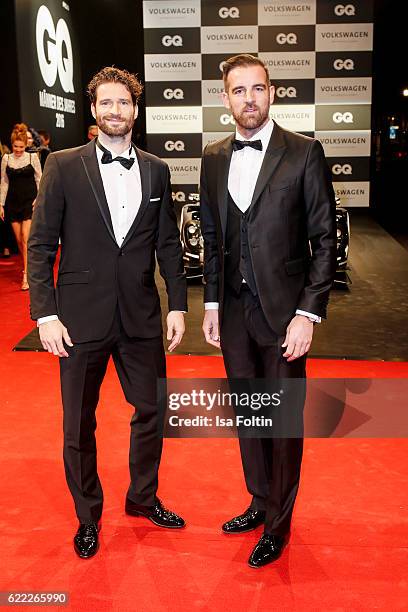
22, 191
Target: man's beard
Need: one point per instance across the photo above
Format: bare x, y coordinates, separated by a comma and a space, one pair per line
120, 129
251, 121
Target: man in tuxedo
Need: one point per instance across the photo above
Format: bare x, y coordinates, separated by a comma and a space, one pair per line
110, 204
268, 222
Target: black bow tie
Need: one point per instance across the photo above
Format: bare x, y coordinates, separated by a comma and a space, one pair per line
108, 159
237, 145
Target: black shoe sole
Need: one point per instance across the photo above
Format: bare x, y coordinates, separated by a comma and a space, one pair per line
243, 531
87, 556
151, 519
265, 564
261, 566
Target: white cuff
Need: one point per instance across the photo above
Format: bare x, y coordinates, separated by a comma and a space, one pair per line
312, 317
211, 306
42, 320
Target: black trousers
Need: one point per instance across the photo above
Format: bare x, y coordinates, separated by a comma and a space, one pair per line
271, 465
138, 362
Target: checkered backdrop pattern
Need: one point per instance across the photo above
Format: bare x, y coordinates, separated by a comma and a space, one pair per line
319, 54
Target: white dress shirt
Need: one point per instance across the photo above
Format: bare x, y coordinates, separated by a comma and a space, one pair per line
242, 178
245, 167
123, 190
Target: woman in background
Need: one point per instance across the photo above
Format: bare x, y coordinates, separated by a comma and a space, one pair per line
7, 240
20, 178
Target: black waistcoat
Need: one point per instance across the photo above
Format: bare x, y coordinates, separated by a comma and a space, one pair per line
238, 264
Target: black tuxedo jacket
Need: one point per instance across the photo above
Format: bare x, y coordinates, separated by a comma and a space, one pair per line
95, 274
291, 226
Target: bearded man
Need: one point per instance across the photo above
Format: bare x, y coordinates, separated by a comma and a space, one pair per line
268, 222
110, 205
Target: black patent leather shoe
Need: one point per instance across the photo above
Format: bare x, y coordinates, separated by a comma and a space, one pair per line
157, 514
86, 540
249, 520
268, 549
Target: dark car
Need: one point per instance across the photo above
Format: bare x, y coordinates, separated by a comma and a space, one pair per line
193, 245
191, 238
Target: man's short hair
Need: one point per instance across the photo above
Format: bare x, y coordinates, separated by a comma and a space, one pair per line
110, 74
239, 61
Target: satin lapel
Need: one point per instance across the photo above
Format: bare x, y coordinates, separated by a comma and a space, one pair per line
273, 155
91, 166
223, 163
145, 178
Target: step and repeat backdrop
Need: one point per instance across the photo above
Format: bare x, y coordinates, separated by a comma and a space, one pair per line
319, 58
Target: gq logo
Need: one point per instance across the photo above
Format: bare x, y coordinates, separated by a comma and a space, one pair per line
50, 41
227, 119
344, 9
172, 41
286, 39
343, 117
286, 92
179, 196
342, 169
232, 12
340, 64
177, 94
174, 145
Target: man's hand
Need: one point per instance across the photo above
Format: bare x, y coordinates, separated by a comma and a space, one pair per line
175, 328
211, 328
298, 338
51, 335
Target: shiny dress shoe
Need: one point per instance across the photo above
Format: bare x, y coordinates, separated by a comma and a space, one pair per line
249, 520
157, 514
268, 549
86, 540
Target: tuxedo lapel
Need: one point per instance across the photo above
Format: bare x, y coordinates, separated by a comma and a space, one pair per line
273, 155
223, 164
145, 178
91, 166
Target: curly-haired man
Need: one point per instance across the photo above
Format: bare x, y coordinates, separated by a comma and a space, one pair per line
110, 204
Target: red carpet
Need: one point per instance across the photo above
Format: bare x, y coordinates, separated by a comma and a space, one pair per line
349, 545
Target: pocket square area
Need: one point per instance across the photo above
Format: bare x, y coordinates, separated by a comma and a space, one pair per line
155, 199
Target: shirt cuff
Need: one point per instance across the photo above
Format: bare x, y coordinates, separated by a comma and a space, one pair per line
312, 317
211, 306
42, 320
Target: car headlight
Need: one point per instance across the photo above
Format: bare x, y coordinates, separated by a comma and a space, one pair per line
193, 234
